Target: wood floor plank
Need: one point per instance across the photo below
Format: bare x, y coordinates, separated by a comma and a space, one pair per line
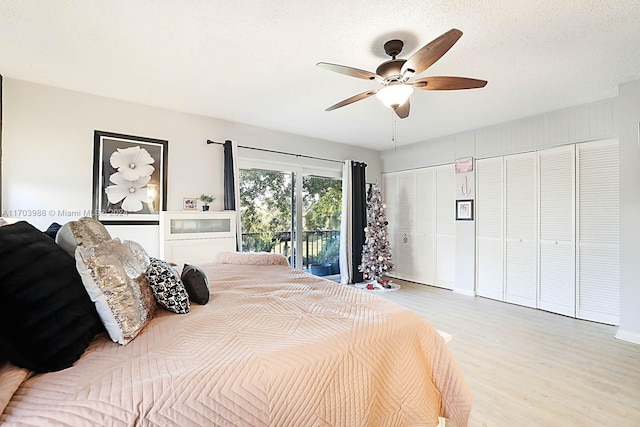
528, 367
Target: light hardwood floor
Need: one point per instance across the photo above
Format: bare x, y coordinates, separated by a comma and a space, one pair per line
528, 367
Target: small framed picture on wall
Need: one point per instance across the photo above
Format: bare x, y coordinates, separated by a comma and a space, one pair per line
190, 204
464, 210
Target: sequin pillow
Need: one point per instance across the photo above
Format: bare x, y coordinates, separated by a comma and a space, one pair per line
83, 232
196, 283
167, 287
113, 273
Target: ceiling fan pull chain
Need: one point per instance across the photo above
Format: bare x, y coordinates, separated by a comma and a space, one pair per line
393, 131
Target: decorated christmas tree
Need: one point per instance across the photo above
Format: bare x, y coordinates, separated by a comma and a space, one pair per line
376, 252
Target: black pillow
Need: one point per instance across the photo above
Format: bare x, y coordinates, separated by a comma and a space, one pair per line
196, 284
53, 229
47, 317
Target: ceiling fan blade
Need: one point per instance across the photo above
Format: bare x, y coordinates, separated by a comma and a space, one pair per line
403, 110
349, 71
448, 83
430, 53
352, 99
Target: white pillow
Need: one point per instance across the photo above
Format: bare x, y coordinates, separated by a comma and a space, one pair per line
113, 273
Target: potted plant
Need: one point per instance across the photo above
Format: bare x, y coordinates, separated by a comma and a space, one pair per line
322, 269
328, 259
206, 199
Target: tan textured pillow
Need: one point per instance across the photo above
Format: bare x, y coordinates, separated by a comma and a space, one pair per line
83, 232
113, 273
250, 258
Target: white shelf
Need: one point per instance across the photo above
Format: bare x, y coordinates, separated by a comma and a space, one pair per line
196, 237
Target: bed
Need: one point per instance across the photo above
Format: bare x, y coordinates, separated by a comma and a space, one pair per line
273, 346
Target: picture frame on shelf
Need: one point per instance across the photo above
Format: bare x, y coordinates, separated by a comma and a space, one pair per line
464, 210
190, 204
129, 179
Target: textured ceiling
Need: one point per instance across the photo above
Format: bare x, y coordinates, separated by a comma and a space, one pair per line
254, 61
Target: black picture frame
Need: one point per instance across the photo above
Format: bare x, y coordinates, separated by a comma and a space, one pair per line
464, 210
123, 211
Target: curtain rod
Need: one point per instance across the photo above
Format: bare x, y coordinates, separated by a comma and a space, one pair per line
277, 152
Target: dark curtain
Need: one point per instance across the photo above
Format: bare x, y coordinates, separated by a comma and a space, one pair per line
229, 186
359, 205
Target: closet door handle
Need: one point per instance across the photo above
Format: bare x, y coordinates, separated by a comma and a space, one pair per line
405, 239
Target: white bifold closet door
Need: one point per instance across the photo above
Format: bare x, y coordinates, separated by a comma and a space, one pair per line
521, 213
404, 225
390, 195
424, 265
548, 230
490, 228
598, 266
445, 225
556, 291
423, 222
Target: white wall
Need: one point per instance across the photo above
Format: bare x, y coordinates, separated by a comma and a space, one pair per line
465, 230
596, 120
629, 95
47, 162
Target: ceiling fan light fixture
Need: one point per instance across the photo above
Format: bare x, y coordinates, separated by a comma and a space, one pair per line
394, 95
395, 74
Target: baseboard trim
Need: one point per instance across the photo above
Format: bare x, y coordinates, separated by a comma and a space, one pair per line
628, 336
464, 292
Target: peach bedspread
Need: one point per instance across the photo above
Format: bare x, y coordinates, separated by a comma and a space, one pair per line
273, 347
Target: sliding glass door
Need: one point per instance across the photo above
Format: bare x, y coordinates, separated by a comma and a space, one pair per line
321, 215
267, 210
290, 210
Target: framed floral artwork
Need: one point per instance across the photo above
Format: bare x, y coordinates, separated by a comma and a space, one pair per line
129, 179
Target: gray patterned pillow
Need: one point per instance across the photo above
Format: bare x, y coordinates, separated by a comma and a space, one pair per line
167, 287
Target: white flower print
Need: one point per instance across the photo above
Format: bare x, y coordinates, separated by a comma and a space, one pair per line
134, 193
133, 162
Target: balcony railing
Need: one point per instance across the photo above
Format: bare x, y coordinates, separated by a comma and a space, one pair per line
318, 246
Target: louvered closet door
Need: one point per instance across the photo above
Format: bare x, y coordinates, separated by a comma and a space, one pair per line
520, 229
598, 232
404, 215
556, 291
424, 247
390, 191
445, 227
490, 227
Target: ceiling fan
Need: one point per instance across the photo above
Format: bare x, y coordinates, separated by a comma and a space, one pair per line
395, 74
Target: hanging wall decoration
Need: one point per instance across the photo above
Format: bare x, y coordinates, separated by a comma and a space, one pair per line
464, 165
129, 178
